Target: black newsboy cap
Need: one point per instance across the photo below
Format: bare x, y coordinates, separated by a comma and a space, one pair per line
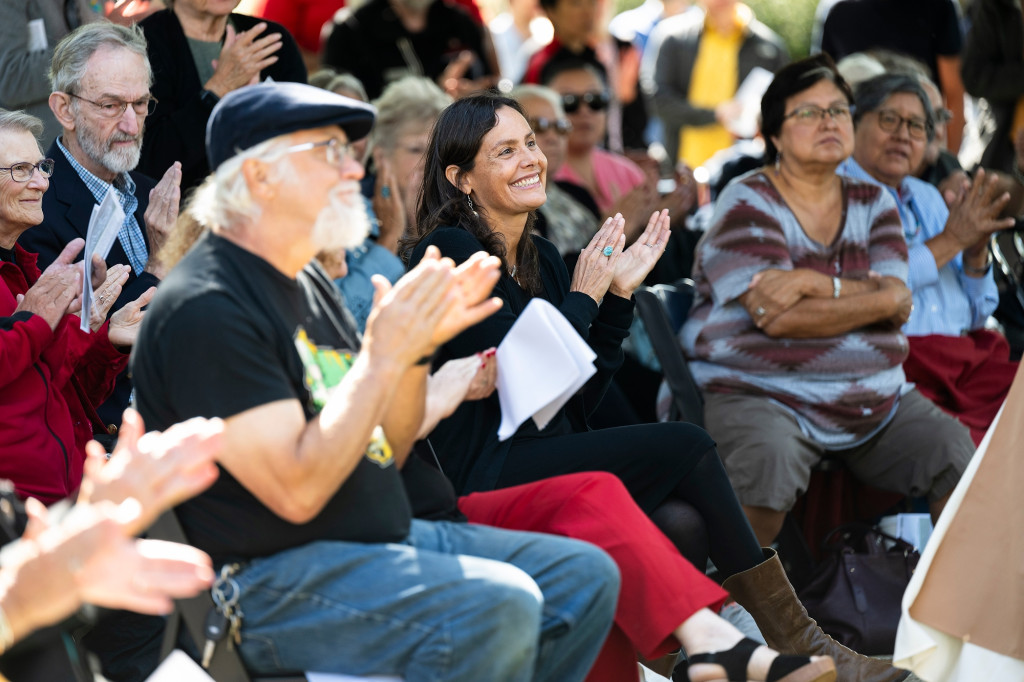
256, 113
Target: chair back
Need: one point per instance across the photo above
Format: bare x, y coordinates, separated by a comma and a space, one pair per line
663, 309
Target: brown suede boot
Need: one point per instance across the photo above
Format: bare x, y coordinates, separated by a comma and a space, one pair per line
765, 592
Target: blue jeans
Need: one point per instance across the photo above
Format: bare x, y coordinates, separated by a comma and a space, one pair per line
454, 602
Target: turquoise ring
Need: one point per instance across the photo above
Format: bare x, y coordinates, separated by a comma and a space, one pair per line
608, 251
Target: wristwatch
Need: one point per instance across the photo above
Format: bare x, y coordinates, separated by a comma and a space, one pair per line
209, 98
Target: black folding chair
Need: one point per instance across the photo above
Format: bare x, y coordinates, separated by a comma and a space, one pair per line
663, 309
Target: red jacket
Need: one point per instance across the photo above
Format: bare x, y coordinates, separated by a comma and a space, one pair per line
43, 424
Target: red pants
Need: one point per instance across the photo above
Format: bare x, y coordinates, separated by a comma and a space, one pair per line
660, 589
966, 376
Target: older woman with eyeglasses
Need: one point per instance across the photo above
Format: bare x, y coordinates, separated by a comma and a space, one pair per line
53, 374
962, 367
795, 333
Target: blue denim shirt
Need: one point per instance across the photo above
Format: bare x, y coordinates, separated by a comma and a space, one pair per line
363, 262
946, 301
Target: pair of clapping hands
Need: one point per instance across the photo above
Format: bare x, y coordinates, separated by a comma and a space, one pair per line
90, 555
58, 292
606, 265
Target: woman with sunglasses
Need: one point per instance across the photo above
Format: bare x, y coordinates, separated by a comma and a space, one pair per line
605, 175
483, 178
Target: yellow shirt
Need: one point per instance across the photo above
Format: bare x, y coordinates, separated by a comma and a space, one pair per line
713, 81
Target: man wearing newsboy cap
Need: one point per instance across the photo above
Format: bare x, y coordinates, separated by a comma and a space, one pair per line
309, 513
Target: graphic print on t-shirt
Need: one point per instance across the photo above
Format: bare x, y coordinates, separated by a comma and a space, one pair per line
324, 369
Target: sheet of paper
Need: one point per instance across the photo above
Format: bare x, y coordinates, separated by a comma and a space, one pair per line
542, 362
104, 224
178, 667
749, 96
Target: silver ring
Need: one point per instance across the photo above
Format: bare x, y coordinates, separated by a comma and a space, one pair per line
608, 251
760, 310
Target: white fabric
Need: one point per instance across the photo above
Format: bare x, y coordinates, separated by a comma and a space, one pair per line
933, 655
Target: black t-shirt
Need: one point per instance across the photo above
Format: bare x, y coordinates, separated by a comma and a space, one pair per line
374, 46
228, 332
923, 29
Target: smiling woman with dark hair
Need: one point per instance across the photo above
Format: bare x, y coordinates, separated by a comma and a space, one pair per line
484, 177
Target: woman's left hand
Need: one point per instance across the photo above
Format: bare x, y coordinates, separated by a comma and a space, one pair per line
639, 259
104, 296
125, 323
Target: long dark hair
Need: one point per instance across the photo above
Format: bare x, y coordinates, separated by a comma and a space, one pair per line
455, 140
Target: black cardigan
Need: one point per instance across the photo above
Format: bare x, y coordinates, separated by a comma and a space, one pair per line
467, 443
176, 131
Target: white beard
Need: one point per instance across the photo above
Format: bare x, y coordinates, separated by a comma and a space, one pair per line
114, 160
342, 223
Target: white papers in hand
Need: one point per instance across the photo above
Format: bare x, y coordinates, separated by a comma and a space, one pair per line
749, 96
104, 224
542, 362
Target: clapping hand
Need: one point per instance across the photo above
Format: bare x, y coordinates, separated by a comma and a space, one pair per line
58, 290
125, 323
106, 294
596, 265
242, 58
159, 470
640, 258
474, 281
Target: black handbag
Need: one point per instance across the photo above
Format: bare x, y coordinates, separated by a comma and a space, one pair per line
856, 592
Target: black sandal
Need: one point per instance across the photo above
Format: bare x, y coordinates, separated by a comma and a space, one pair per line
783, 669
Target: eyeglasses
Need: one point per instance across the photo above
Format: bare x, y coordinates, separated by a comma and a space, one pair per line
890, 122
597, 101
337, 151
542, 125
943, 115
23, 172
811, 114
115, 108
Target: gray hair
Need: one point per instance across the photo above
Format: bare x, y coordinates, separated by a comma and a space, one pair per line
67, 69
871, 94
411, 99
350, 84
525, 91
223, 201
20, 122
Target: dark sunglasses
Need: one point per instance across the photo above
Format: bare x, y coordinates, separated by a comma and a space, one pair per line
542, 125
597, 101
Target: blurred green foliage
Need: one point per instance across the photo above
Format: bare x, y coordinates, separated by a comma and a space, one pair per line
791, 19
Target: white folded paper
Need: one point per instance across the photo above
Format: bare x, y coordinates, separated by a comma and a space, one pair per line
105, 222
542, 362
749, 95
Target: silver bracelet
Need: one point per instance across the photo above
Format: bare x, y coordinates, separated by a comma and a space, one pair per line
837, 286
979, 272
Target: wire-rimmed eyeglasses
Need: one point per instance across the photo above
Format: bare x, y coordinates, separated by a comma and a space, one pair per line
114, 108
22, 172
337, 151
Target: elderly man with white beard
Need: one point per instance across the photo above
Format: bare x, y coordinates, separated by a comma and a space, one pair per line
100, 77
309, 519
